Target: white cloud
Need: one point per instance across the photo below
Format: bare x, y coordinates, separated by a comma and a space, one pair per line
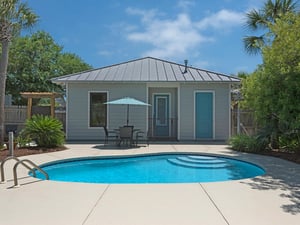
147, 15
168, 37
177, 38
223, 19
185, 4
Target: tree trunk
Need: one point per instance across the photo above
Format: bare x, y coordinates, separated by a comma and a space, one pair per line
3, 73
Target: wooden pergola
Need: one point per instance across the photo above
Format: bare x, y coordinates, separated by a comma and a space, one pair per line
31, 95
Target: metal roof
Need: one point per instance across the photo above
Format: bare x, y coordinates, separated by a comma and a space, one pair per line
146, 69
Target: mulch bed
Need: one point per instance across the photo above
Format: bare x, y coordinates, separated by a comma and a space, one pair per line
294, 157
29, 151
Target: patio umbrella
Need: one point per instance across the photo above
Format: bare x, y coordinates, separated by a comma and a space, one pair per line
127, 101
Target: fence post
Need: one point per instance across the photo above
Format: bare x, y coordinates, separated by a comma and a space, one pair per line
238, 119
11, 143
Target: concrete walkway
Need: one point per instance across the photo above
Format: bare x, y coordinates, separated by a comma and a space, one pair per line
270, 199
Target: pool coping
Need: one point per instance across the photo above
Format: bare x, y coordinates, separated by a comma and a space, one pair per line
273, 198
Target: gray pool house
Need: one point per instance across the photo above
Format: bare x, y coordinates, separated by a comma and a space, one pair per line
185, 103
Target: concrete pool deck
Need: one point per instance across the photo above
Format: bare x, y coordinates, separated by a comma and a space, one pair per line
273, 198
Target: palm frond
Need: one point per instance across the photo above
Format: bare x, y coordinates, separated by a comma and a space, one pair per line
289, 6
276, 9
264, 19
253, 44
17, 15
255, 20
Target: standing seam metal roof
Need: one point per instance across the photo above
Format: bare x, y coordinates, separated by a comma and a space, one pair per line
146, 69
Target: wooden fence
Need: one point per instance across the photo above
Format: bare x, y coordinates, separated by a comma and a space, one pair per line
247, 122
15, 117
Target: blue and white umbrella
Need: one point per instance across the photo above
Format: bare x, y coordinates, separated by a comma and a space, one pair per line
127, 101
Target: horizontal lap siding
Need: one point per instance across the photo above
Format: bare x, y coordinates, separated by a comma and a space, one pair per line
137, 114
78, 109
222, 102
76, 112
187, 110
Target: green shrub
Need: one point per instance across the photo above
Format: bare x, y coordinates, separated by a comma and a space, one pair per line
23, 139
290, 142
45, 131
246, 143
239, 142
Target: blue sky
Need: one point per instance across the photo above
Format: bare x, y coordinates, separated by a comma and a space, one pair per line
207, 33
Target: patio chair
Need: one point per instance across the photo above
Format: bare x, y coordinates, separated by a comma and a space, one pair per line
126, 135
141, 134
110, 135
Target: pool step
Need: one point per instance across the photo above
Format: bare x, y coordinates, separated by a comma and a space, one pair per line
204, 162
200, 161
199, 157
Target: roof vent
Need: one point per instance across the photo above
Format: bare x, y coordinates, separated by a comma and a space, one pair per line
185, 66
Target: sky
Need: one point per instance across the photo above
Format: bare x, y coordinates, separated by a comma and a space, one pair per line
102, 33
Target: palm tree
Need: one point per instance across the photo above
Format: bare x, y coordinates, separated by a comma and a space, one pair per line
262, 19
14, 16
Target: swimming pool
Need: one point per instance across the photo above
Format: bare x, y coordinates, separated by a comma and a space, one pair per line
161, 168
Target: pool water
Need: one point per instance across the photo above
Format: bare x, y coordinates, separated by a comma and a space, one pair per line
170, 168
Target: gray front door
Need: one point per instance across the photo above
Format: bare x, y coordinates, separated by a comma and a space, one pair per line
161, 115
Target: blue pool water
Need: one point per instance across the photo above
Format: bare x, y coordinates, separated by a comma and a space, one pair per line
168, 168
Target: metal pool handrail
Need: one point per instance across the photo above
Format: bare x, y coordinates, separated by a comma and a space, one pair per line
16, 159
32, 169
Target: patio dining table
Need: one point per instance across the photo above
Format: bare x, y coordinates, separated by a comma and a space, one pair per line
126, 135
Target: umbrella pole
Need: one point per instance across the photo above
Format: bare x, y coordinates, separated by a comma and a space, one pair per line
127, 114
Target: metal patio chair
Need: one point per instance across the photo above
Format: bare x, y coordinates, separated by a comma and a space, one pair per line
140, 135
126, 135
110, 135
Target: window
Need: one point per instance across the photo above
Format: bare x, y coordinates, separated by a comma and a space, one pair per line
161, 110
98, 110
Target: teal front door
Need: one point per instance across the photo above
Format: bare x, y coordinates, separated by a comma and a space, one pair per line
204, 115
161, 115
